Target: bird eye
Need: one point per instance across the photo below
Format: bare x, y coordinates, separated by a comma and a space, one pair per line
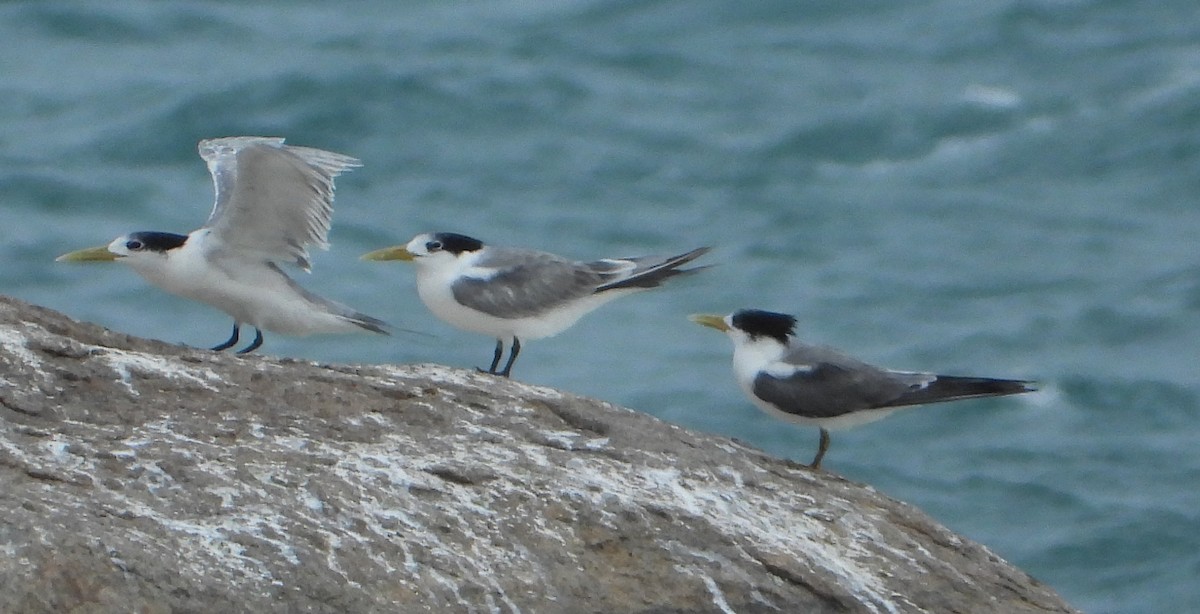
133, 245
433, 246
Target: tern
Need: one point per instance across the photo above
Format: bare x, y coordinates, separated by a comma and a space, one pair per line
515, 294
272, 201
820, 386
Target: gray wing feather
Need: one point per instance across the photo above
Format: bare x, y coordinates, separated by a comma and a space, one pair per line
833, 384
271, 198
526, 283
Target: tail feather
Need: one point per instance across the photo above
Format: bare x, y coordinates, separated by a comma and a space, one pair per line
952, 388
365, 321
652, 271
335, 308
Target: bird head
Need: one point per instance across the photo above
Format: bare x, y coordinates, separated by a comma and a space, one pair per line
133, 248
751, 325
428, 248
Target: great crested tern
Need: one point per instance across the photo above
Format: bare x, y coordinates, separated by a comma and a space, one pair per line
820, 386
516, 294
272, 201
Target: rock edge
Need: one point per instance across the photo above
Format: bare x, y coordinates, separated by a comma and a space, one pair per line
141, 476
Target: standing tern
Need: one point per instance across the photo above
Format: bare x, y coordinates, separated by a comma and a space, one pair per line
513, 294
820, 386
272, 201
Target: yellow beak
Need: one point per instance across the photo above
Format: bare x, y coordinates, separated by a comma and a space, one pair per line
397, 252
710, 320
91, 254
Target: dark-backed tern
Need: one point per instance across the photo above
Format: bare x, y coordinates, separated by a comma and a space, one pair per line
820, 386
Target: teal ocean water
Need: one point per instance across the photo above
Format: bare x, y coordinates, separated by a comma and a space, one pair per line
994, 188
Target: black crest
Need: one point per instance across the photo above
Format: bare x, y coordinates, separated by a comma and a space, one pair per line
758, 323
456, 243
152, 241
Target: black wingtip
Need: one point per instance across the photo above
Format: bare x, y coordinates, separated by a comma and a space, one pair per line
374, 325
692, 255
953, 388
999, 387
655, 276
368, 323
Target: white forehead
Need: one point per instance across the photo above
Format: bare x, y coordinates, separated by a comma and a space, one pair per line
416, 245
117, 246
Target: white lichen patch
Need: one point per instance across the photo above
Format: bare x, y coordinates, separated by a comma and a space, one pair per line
438, 374
16, 343
208, 545
718, 596
451, 377
127, 364
593, 444
227, 494
562, 439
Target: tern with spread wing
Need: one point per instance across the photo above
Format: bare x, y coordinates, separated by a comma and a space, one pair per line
272, 202
820, 386
515, 294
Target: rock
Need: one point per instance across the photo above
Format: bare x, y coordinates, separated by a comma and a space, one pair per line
141, 476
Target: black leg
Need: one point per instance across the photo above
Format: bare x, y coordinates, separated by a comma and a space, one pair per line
496, 356
816, 464
232, 339
254, 345
512, 357
495, 359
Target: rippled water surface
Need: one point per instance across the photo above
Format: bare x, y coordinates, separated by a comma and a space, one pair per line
1003, 188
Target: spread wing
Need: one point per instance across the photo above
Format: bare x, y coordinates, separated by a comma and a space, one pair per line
512, 283
271, 199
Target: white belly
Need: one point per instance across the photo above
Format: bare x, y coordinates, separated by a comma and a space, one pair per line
438, 297
251, 293
844, 421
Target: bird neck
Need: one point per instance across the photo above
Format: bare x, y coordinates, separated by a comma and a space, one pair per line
753, 355
175, 270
